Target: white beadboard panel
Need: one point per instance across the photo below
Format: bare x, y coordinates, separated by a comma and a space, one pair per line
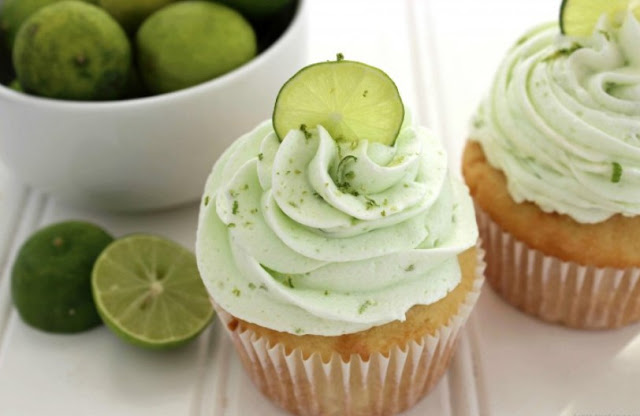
470, 38
22, 216
92, 373
533, 366
372, 31
522, 366
13, 197
462, 382
426, 71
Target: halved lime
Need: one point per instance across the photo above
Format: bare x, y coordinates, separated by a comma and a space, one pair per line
51, 277
579, 17
148, 291
352, 100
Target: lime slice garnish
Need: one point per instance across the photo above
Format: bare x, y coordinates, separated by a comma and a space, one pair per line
352, 100
51, 277
579, 17
148, 291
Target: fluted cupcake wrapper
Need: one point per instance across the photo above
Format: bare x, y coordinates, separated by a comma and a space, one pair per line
385, 384
555, 290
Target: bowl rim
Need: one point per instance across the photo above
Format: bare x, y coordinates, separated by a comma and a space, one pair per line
229, 77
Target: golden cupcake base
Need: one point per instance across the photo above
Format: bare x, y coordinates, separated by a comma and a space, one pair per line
554, 290
375, 383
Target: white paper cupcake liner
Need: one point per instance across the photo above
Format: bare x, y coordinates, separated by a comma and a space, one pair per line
382, 385
555, 290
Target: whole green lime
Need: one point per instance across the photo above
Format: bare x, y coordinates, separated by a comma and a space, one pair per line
190, 42
72, 50
15, 12
131, 13
51, 277
258, 9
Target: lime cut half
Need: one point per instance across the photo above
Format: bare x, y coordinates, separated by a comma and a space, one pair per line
579, 17
148, 291
352, 100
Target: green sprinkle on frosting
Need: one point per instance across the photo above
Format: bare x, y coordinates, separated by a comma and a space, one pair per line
563, 52
365, 306
616, 173
305, 131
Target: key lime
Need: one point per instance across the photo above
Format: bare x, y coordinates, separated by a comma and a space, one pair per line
579, 17
51, 277
148, 291
14, 12
350, 99
190, 42
72, 50
131, 13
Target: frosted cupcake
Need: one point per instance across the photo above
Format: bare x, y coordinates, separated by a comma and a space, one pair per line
343, 270
553, 165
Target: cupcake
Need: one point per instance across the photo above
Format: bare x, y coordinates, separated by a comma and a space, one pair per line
553, 165
342, 267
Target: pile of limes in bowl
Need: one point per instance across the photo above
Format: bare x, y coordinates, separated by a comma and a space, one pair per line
118, 49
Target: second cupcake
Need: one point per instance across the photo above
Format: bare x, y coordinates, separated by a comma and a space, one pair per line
553, 165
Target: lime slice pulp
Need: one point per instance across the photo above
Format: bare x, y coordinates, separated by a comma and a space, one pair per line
148, 291
579, 17
352, 100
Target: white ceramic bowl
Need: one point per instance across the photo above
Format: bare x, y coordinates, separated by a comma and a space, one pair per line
146, 153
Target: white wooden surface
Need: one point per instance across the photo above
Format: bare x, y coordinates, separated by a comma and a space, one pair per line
442, 53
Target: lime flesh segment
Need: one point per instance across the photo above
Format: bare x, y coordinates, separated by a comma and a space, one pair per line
352, 100
579, 17
148, 291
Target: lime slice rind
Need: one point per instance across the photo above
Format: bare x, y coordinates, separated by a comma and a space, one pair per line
580, 17
352, 100
143, 310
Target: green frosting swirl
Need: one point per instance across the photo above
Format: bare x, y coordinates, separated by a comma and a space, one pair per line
314, 236
562, 121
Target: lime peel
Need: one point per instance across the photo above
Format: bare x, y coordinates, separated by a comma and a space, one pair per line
51, 277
